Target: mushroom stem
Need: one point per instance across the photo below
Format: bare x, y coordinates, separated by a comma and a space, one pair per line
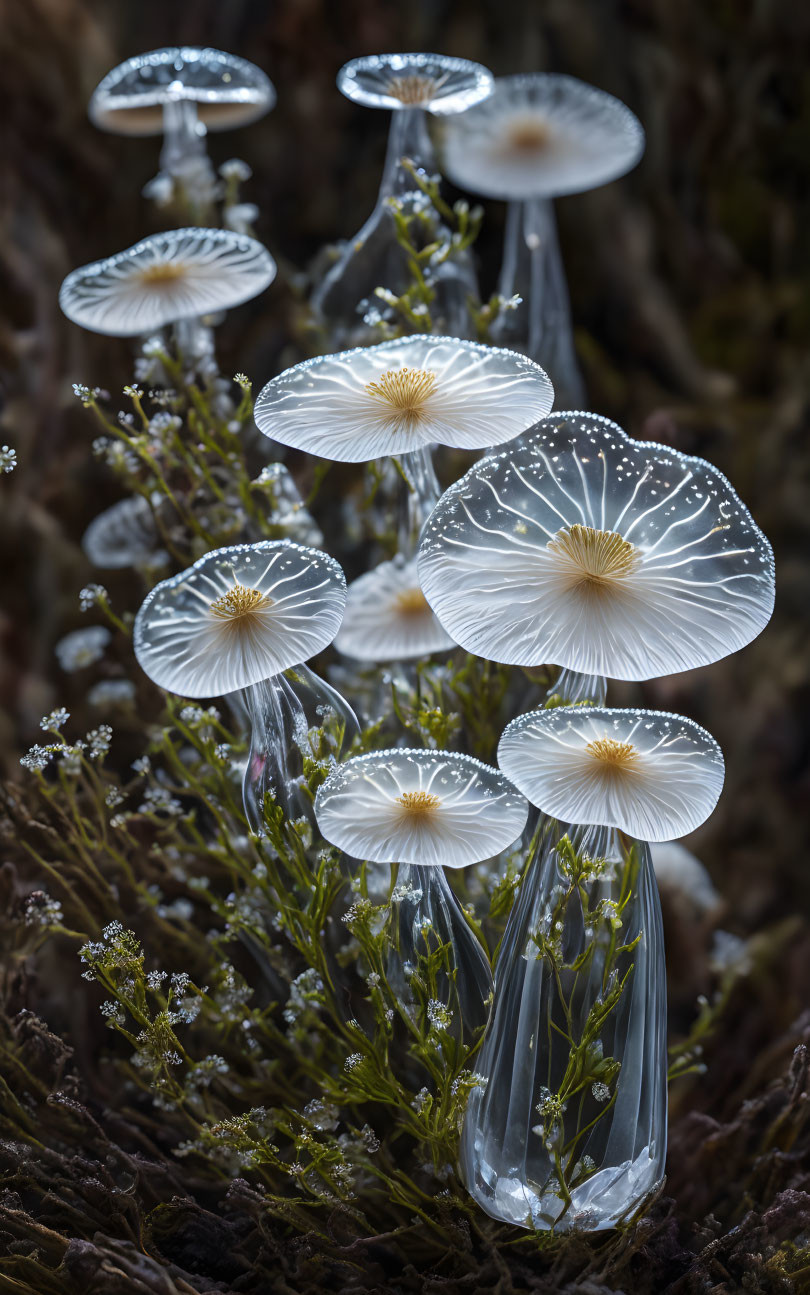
571, 687
407, 137
346, 297
183, 136
292, 716
195, 346
532, 269
423, 495
571, 1125
435, 956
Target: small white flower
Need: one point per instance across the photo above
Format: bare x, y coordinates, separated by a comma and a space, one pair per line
235, 169
241, 217
91, 595
56, 720
8, 459
38, 758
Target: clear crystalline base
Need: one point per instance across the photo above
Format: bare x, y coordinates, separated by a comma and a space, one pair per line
570, 1130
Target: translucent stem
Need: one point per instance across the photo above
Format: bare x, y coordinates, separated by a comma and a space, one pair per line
431, 292
423, 492
435, 957
407, 137
571, 687
293, 716
195, 346
532, 269
570, 1129
183, 135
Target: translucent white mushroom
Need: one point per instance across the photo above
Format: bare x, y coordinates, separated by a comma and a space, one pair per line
431, 808
435, 82
227, 91
402, 396
238, 616
652, 775
585, 549
175, 275
388, 617
82, 647
540, 136
123, 535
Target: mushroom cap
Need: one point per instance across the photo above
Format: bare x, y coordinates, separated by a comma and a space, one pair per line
468, 812
461, 393
672, 571
122, 535
541, 136
388, 617
228, 91
82, 647
176, 274
186, 646
664, 786
432, 81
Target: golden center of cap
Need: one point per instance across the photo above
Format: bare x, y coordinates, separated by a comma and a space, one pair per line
612, 753
412, 602
594, 559
405, 392
238, 602
418, 804
528, 135
414, 89
162, 272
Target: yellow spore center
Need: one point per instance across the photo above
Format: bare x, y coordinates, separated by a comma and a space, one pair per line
612, 753
163, 272
414, 89
238, 602
595, 560
405, 392
418, 804
412, 602
529, 135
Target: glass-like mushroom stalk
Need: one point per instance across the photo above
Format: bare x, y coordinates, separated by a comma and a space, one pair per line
172, 278
426, 811
534, 139
399, 399
182, 93
582, 548
407, 85
570, 1129
243, 620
